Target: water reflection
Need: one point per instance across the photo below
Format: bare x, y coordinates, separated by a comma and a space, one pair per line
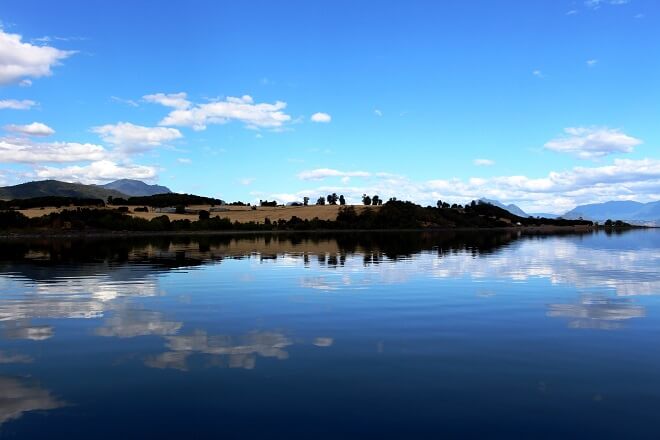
597, 311
18, 397
120, 292
224, 350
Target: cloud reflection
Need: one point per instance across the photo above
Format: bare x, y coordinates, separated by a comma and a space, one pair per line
18, 398
239, 352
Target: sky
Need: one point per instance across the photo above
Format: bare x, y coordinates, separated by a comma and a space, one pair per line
547, 103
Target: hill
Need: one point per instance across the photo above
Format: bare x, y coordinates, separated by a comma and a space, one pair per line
50, 188
624, 210
513, 209
136, 188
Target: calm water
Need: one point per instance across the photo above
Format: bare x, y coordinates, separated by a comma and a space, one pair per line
383, 336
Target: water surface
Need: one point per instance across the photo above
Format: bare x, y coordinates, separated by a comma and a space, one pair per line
393, 335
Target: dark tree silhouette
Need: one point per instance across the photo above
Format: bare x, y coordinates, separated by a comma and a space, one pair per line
342, 200
366, 200
320, 201
305, 201
204, 214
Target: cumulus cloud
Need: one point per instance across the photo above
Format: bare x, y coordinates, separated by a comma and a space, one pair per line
322, 173
593, 142
26, 151
557, 192
97, 172
592, 62
243, 109
321, 117
33, 129
134, 138
20, 60
484, 162
14, 104
174, 100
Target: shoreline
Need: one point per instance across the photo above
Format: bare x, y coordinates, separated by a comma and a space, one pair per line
549, 229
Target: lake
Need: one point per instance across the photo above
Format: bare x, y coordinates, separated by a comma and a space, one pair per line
389, 335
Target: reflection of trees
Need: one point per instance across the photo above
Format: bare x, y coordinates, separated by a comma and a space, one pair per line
50, 258
17, 398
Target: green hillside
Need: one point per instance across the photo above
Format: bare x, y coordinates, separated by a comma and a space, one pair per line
46, 188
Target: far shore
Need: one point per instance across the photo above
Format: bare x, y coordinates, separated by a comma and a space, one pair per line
544, 229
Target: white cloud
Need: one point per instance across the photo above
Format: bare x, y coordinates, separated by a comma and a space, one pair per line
14, 104
25, 83
27, 151
592, 62
20, 60
572, 12
537, 73
247, 181
595, 4
484, 162
322, 173
33, 129
378, 112
174, 100
591, 143
557, 192
321, 117
128, 102
242, 109
97, 172
184, 160
134, 138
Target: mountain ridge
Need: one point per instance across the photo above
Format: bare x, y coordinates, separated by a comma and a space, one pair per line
122, 188
136, 188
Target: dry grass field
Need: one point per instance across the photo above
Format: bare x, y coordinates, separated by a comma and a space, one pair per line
241, 214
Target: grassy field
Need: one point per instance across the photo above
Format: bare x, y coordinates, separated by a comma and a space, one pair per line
241, 214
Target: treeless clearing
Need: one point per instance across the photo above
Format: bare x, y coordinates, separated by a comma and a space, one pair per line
242, 214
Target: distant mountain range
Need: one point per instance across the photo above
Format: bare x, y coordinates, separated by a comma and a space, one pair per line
513, 209
136, 188
43, 188
620, 210
634, 212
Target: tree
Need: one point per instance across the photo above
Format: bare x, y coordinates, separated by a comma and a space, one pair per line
332, 198
305, 201
342, 200
204, 214
321, 201
366, 200
439, 204
375, 200
180, 209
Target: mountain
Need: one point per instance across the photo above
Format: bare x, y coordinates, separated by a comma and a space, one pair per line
136, 188
543, 215
617, 210
513, 209
46, 188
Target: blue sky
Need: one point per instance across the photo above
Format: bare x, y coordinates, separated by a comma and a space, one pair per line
547, 104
